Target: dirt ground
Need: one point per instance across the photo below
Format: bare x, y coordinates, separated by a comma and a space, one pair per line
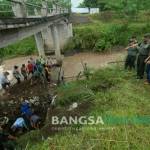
10, 105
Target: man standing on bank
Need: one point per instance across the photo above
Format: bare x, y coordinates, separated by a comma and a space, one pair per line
144, 52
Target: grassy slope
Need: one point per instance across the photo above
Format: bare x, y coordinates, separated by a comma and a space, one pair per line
124, 97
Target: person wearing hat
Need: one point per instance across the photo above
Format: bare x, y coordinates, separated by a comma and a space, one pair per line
144, 52
4, 80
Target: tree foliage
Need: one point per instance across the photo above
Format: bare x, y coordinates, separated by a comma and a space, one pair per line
128, 7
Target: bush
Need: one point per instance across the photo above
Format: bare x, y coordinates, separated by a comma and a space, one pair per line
102, 37
24, 47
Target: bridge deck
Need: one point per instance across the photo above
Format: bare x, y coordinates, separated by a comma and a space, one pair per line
9, 23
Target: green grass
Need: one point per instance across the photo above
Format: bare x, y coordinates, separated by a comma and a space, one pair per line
101, 37
114, 93
108, 30
24, 47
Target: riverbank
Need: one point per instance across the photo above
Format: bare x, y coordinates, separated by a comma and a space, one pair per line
72, 65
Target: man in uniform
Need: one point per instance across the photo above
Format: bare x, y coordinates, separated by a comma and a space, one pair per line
144, 51
132, 53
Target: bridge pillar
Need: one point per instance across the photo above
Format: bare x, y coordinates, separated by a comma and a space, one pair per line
70, 30
39, 43
19, 9
48, 40
65, 32
56, 40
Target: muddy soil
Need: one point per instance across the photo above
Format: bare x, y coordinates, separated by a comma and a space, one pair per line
37, 94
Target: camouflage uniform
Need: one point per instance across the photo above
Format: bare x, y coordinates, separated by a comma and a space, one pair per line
144, 50
131, 57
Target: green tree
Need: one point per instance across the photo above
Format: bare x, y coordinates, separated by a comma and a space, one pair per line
89, 4
126, 7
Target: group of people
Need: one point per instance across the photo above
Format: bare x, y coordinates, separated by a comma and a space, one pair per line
141, 53
26, 119
39, 68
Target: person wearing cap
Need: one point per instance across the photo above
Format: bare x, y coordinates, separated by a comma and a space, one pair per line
131, 56
4, 80
144, 52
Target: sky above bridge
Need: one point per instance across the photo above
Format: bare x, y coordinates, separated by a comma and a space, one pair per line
75, 3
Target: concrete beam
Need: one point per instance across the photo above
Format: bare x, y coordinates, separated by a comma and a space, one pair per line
10, 36
70, 30
56, 43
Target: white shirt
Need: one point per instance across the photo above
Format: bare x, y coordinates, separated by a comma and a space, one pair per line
19, 123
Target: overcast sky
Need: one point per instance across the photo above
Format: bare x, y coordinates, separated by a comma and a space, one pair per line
75, 3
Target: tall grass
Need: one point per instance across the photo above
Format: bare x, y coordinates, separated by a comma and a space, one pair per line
101, 37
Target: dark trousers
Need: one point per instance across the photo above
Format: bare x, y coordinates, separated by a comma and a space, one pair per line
141, 66
4, 86
18, 80
148, 72
130, 62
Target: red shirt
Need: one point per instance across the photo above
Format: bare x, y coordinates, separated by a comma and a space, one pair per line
30, 67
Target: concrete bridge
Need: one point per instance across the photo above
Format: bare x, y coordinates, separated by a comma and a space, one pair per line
51, 27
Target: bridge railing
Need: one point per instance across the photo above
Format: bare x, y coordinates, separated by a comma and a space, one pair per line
31, 9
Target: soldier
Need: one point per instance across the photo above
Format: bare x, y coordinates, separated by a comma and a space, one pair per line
144, 51
147, 61
132, 53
